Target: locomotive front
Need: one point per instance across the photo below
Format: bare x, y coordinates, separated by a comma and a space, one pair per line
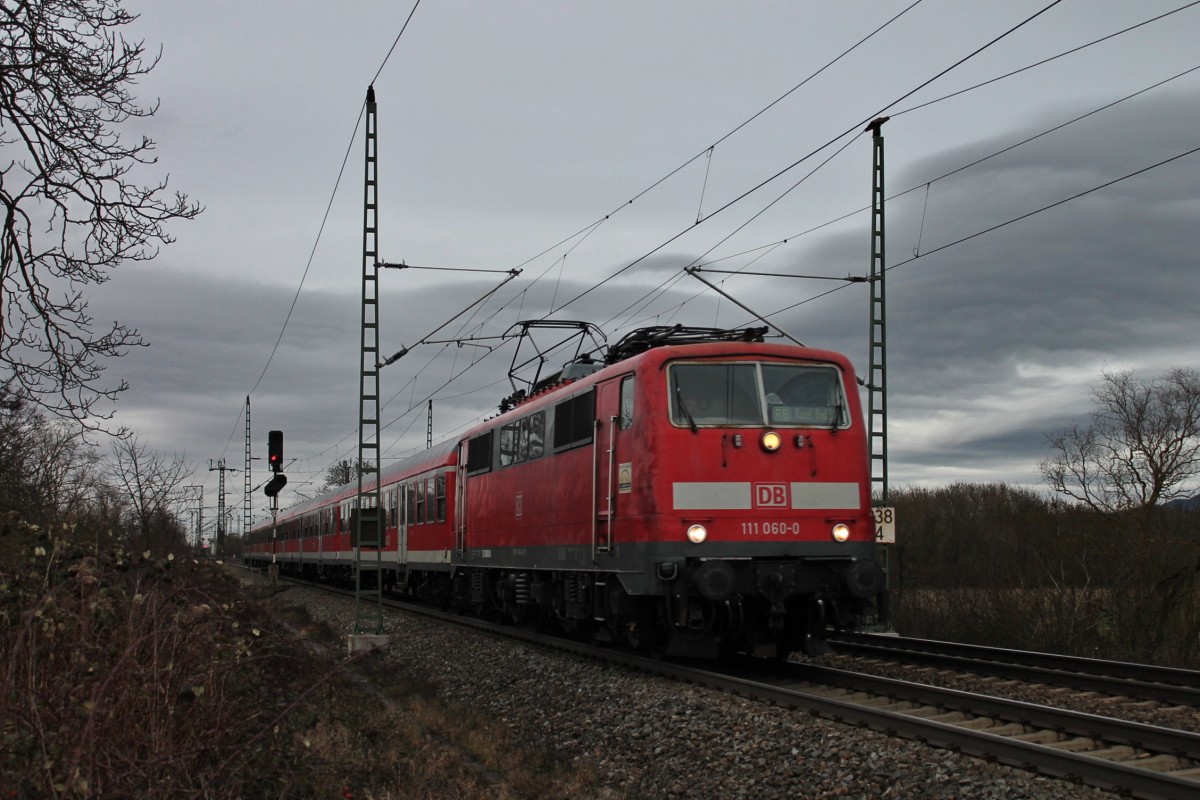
750, 486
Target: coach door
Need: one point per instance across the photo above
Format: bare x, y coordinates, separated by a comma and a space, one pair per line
612, 467
460, 487
400, 513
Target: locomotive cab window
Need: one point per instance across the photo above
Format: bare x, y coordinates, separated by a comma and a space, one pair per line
766, 393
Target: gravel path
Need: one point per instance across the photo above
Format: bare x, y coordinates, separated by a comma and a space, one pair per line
648, 737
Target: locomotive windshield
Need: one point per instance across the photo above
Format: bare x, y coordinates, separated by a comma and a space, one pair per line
759, 393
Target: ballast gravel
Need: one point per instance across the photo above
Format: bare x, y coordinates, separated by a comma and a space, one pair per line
650, 737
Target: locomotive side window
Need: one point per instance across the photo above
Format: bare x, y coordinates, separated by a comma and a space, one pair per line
508, 444
573, 421
767, 393
479, 454
626, 420
521, 440
537, 434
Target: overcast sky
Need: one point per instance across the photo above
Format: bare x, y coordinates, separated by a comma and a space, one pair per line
507, 127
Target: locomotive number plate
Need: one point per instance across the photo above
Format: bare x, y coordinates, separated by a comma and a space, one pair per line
770, 529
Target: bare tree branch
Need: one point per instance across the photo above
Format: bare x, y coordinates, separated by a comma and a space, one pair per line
71, 209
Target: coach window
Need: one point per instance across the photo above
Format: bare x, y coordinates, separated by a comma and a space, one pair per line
626, 402
430, 502
440, 483
419, 488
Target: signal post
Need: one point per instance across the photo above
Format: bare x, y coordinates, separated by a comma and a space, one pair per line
271, 490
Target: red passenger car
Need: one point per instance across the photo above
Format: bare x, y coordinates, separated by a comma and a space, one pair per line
700, 492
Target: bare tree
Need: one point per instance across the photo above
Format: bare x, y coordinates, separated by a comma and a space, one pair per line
1142, 446
47, 470
150, 482
72, 207
341, 473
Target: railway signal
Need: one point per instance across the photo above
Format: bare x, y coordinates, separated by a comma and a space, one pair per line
275, 461
275, 451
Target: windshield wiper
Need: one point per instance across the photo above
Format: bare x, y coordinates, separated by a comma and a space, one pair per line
683, 407
837, 417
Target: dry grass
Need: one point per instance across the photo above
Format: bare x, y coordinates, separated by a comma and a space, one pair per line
127, 676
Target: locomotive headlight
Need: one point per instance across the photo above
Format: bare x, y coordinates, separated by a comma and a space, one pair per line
771, 441
697, 534
841, 532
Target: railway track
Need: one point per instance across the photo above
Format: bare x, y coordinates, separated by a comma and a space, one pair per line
1141, 681
1129, 758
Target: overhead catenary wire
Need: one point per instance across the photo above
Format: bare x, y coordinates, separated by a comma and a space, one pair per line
798, 162
1044, 61
324, 219
852, 129
638, 304
962, 168
1004, 224
583, 233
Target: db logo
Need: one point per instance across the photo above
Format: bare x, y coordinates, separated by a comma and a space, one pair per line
771, 495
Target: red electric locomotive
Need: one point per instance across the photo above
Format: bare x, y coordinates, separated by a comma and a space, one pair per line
698, 492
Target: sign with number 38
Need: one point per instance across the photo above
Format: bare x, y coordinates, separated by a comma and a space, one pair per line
885, 525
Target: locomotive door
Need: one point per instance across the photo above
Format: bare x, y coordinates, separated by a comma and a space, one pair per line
612, 468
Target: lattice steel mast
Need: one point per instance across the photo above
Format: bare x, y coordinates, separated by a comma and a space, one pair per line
366, 524
221, 520
246, 510
877, 371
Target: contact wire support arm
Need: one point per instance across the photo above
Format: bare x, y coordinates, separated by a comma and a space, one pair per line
403, 351
694, 272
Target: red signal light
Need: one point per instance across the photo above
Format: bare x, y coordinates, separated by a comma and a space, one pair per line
275, 450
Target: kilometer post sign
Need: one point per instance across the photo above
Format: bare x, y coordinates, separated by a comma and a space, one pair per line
885, 524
